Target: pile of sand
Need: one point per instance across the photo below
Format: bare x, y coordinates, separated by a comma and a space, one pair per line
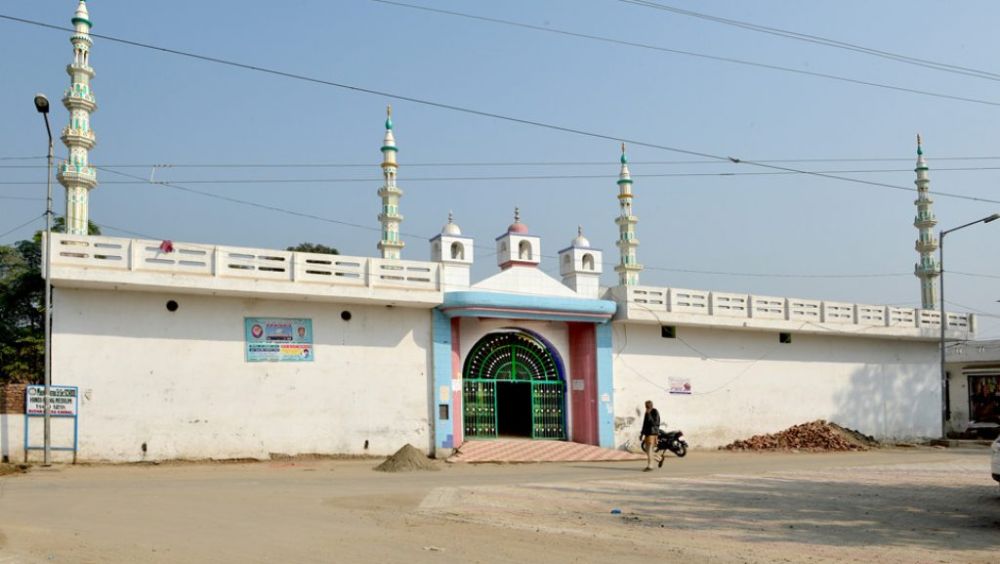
407, 459
814, 436
6, 469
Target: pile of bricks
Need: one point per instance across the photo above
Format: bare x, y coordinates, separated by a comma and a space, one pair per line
814, 436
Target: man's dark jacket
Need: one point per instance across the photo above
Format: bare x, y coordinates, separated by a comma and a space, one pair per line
651, 423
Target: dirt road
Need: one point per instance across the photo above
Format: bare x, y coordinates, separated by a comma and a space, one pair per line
890, 506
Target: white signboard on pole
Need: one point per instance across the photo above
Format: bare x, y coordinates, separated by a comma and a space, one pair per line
63, 400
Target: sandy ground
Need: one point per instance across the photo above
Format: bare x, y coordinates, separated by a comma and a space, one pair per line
906, 505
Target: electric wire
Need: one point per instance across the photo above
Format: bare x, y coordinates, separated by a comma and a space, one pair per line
460, 109
690, 53
425, 237
25, 224
472, 164
224, 181
546, 176
825, 41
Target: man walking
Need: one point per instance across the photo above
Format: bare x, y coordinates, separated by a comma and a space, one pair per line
649, 433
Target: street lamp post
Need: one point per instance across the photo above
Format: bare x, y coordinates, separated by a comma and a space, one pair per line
944, 318
42, 105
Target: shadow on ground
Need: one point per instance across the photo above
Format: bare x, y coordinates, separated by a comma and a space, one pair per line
814, 511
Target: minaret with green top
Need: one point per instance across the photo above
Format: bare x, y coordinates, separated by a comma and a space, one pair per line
391, 244
628, 267
927, 269
76, 174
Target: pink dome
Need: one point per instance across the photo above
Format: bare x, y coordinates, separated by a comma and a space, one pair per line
517, 227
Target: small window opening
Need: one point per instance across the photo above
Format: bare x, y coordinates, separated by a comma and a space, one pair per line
172, 306
588, 261
345, 315
784, 338
457, 251
668, 332
524, 250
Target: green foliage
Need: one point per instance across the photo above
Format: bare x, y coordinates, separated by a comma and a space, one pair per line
314, 248
22, 308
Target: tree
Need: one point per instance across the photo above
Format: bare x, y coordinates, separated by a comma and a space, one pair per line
22, 308
314, 248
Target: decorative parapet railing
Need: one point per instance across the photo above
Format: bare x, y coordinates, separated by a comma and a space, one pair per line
70, 168
145, 262
648, 303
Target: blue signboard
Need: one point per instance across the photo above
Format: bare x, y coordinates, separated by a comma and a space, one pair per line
278, 339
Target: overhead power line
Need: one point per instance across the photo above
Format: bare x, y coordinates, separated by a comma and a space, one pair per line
476, 164
690, 53
25, 224
825, 41
279, 209
533, 176
440, 179
465, 110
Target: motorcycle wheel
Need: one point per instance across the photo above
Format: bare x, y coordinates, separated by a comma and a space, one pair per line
680, 450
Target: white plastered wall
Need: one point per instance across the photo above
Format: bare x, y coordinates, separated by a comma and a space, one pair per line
179, 382
747, 383
12, 436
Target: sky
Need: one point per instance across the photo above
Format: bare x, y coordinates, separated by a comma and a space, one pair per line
710, 224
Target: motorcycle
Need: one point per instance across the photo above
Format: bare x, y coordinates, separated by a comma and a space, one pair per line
672, 441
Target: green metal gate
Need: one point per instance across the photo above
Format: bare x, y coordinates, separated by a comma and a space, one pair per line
513, 356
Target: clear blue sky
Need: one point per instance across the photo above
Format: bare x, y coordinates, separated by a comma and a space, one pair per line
161, 108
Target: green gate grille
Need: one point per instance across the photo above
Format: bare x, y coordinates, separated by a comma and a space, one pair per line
514, 357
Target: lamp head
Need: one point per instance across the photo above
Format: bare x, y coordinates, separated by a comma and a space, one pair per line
41, 103
992, 218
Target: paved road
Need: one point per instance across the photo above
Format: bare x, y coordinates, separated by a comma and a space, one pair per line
892, 505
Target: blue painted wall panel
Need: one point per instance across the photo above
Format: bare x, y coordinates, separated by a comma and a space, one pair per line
605, 387
442, 379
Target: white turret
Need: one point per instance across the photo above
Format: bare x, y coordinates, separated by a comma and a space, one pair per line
580, 266
628, 266
455, 253
516, 247
927, 268
391, 244
76, 174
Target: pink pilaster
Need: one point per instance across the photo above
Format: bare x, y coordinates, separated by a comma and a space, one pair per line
583, 382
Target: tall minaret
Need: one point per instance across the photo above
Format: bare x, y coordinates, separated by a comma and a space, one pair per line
628, 267
76, 174
391, 245
927, 269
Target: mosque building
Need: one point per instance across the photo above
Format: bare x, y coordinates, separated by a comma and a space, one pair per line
190, 350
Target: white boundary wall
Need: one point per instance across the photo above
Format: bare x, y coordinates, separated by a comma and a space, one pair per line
747, 383
179, 382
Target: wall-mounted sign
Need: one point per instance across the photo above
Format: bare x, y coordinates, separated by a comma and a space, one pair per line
62, 400
278, 339
680, 385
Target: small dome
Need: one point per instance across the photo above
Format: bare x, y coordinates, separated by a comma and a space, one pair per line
580, 241
81, 14
451, 228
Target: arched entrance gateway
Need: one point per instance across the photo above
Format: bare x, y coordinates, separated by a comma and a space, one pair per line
513, 384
